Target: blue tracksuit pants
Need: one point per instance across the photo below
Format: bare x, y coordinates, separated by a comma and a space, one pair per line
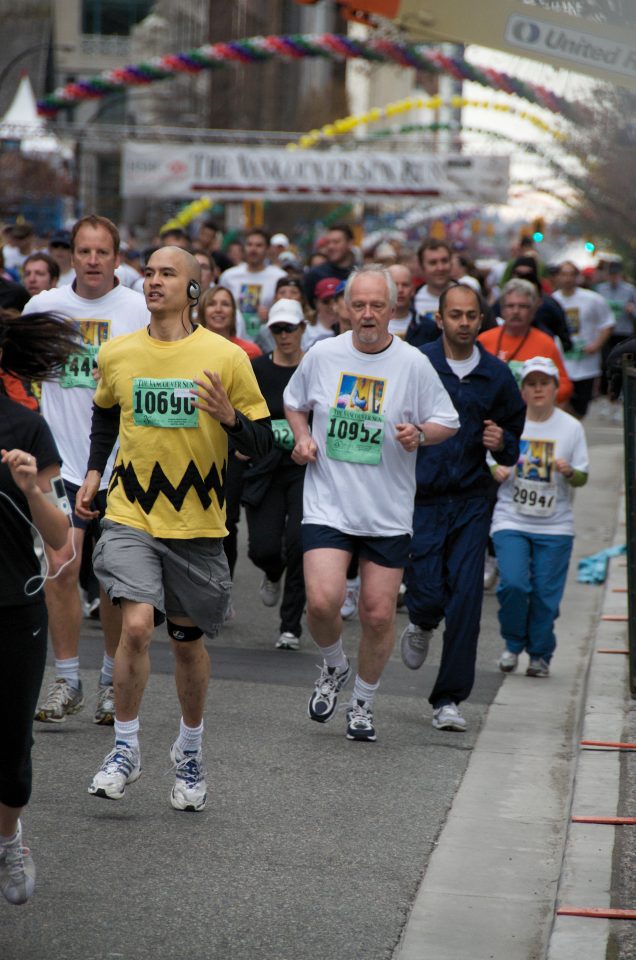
532, 568
445, 580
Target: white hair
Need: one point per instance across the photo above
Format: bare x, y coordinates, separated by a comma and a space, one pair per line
372, 269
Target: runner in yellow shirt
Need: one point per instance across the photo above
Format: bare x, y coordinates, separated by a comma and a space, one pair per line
173, 393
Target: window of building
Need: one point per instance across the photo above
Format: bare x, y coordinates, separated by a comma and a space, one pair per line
113, 17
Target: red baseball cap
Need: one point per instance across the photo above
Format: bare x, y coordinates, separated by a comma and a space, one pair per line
326, 288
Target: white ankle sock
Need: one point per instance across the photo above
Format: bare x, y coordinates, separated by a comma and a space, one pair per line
190, 738
7, 841
127, 731
334, 655
69, 670
106, 674
364, 691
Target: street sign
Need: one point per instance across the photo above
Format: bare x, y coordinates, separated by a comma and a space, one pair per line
593, 37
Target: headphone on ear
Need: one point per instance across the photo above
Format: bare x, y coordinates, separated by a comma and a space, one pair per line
193, 290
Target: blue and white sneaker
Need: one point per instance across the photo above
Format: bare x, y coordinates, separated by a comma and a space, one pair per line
360, 722
120, 767
190, 789
322, 702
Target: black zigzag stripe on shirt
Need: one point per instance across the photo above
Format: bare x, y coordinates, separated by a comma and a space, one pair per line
159, 483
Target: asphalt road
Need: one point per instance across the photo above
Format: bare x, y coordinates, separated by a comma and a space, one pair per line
310, 846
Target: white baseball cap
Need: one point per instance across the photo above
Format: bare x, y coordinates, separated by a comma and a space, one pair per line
285, 311
540, 365
279, 240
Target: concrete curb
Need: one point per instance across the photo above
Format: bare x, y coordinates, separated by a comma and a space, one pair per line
586, 877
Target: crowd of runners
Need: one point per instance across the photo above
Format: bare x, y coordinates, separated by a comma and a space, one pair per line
395, 424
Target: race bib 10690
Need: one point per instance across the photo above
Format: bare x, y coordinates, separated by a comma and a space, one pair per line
164, 403
355, 436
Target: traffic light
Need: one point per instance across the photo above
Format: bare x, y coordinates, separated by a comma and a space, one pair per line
590, 246
538, 229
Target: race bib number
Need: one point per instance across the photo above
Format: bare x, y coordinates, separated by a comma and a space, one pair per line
533, 498
164, 403
355, 436
78, 369
283, 435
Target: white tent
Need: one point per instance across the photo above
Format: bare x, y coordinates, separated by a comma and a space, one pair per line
21, 122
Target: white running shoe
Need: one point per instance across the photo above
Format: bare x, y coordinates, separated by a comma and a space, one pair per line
120, 767
270, 592
105, 709
61, 702
322, 702
190, 790
17, 870
491, 572
448, 717
350, 606
538, 667
414, 644
360, 722
288, 641
508, 661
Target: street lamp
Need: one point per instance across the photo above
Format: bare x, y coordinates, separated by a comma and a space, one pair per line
6, 70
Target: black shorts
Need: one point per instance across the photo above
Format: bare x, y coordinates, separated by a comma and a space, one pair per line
99, 503
384, 551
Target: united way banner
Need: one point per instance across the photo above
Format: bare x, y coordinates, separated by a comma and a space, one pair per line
244, 172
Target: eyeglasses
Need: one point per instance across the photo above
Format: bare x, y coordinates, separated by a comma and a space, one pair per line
278, 328
60, 246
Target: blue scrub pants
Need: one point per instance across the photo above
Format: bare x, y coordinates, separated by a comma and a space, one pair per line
532, 571
445, 580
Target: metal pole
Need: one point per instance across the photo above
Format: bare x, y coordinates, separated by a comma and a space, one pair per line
629, 396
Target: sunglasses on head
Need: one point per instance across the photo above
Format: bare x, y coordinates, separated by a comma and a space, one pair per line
277, 328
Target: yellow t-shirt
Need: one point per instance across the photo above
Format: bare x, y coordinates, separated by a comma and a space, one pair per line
169, 476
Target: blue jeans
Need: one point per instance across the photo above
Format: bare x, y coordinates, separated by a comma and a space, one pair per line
532, 571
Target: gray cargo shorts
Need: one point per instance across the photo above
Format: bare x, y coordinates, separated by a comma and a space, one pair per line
179, 578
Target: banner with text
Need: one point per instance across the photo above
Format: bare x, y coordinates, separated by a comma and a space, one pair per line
270, 173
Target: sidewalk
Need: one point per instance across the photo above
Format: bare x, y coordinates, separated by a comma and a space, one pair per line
508, 856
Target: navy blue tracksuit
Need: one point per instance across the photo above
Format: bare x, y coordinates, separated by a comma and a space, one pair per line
453, 507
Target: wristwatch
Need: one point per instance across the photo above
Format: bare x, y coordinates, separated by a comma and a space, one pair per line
236, 427
421, 438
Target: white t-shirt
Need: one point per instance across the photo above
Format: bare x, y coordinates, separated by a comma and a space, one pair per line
252, 289
130, 277
536, 498
314, 332
363, 481
67, 404
426, 303
399, 326
587, 313
462, 368
13, 259
67, 277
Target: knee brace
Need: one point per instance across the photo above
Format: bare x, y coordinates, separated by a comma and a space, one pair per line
182, 634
